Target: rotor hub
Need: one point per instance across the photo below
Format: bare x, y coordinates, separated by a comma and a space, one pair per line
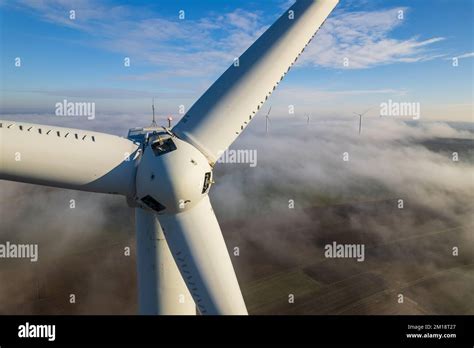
172, 176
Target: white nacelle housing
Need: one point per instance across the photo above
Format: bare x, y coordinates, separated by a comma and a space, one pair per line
173, 176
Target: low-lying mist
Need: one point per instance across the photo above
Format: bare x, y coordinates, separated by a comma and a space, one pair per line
285, 207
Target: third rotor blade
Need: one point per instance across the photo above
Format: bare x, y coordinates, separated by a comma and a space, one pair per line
197, 244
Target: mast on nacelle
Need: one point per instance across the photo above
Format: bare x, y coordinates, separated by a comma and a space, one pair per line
153, 122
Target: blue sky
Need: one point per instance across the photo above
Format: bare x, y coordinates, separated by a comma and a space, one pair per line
406, 59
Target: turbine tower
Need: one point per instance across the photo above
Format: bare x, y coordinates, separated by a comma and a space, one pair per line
166, 174
360, 118
267, 119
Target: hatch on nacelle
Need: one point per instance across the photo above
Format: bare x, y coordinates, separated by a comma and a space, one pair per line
142, 135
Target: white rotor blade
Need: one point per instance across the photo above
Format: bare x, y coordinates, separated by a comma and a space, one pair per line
161, 289
226, 108
199, 249
67, 158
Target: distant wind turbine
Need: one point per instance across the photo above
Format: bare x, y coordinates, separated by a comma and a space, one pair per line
360, 118
267, 119
307, 117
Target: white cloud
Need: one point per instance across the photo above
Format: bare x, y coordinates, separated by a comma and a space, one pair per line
304, 98
467, 55
206, 46
104, 93
86, 12
191, 48
364, 39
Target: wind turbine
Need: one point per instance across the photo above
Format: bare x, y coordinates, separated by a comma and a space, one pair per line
166, 174
267, 119
360, 118
307, 117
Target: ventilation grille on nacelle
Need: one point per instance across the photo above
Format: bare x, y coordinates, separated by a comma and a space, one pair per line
153, 203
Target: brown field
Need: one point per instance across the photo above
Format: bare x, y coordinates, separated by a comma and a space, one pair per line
432, 282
